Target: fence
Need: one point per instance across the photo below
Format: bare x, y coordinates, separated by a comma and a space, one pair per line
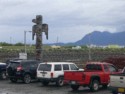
77, 56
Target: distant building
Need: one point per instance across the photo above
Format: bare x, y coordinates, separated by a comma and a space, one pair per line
77, 47
55, 47
115, 46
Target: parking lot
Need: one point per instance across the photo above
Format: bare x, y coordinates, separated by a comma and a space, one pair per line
6, 87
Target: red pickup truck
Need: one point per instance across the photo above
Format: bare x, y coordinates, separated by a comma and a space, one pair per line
95, 74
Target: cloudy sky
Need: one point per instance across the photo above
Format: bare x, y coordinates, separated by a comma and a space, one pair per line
69, 20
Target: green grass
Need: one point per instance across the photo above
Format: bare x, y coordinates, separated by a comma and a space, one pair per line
23, 47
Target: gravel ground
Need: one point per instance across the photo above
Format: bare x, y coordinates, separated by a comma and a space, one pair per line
6, 87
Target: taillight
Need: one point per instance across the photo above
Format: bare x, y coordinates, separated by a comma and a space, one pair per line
83, 76
51, 74
19, 68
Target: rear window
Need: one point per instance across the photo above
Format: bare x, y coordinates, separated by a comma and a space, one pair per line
93, 67
13, 64
45, 67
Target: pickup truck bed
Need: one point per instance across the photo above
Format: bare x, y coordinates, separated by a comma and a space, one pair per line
75, 75
83, 78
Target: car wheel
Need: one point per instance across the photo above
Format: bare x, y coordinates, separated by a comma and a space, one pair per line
45, 83
13, 80
75, 87
94, 86
27, 79
60, 82
3, 75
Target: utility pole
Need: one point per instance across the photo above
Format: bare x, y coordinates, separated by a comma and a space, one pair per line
25, 40
57, 40
10, 40
90, 47
37, 30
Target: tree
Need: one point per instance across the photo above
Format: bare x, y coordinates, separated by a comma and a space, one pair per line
19, 44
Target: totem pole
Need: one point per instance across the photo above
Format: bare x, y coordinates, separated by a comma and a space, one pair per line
37, 30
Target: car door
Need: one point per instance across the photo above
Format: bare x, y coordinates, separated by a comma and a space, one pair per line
58, 70
44, 70
106, 73
12, 68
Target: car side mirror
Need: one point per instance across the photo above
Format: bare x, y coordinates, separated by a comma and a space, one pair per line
119, 70
81, 69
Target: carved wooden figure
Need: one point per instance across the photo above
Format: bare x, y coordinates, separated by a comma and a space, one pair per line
37, 30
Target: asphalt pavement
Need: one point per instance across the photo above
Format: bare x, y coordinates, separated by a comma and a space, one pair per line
6, 87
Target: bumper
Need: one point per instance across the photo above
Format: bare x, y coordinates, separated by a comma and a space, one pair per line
47, 79
117, 89
70, 82
16, 76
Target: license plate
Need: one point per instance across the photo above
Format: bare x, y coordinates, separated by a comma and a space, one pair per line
73, 82
43, 72
121, 90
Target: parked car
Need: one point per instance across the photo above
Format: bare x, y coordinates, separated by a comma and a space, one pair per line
95, 74
3, 71
54, 72
117, 83
24, 70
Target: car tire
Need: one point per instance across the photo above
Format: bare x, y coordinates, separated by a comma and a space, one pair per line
27, 79
60, 82
3, 75
75, 87
94, 85
13, 80
45, 83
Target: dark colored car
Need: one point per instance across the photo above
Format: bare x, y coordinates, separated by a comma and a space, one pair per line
3, 71
24, 70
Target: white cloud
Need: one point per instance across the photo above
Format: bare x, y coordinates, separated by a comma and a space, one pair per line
70, 20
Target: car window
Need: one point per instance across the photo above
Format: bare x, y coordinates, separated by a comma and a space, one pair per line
33, 64
112, 68
58, 67
26, 65
98, 67
93, 67
45, 67
14, 64
106, 68
73, 67
65, 67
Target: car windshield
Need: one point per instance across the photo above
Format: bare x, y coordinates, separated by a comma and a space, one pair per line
45, 67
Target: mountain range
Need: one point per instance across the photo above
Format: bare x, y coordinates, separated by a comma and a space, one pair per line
100, 39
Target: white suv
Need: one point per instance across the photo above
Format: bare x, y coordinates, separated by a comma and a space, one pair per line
54, 72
